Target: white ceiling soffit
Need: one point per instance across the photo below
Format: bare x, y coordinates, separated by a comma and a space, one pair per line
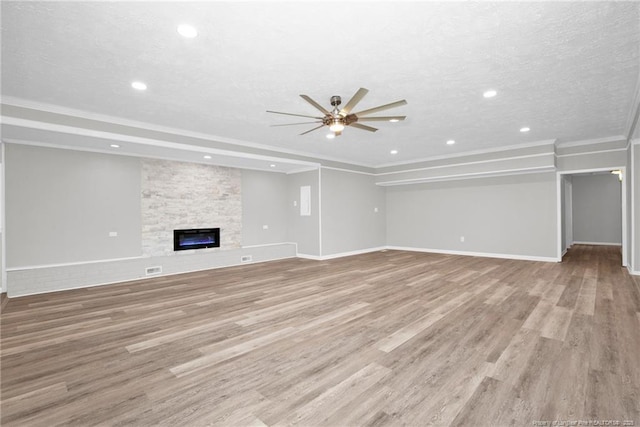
566, 70
103, 142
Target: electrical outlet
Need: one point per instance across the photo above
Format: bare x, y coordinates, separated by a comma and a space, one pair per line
295, 203
113, 234
245, 258
375, 210
462, 239
265, 227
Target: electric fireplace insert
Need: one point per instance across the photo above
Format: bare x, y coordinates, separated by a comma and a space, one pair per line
196, 238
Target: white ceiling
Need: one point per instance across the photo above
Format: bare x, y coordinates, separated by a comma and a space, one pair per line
567, 70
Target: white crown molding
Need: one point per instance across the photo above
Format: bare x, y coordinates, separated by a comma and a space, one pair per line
635, 141
109, 136
450, 165
569, 144
349, 171
592, 152
153, 156
634, 112
56, 109
490, 174
470, 153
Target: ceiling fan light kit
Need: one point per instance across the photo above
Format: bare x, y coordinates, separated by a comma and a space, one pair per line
337, 119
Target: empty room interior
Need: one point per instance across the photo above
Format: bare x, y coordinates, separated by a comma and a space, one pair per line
355, 213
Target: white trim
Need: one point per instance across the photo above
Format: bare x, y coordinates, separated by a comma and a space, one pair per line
559, 214
634, 112
71, 130
633, 272
564, 253
631, 176
598, 243
269, 244
301, 170
3, 243
151, 156
320, 211
352, 253
155, 276
450, 165
592, 152
634, 141
56, 109
101, 261
476, 254
349, 171
71, 264
470, 153
568, 144
306, 256
534, 169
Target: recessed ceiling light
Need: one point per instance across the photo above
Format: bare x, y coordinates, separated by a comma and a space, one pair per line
394, 120
187, 31
207, 156
394, 151
524, 129
114, 146
450, 142
490, 93
331, 135
139, 86
272, 165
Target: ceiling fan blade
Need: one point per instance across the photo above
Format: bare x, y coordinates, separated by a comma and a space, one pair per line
311, 130
357, 97
315, 104
380, 108
381, 119
293, 124
291, 114
363, 127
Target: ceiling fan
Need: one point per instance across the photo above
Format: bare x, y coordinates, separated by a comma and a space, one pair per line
338, 118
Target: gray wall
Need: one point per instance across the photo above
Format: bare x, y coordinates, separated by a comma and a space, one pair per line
304, 230
61, 206
264, 202
349, 220
512, 215
597, 209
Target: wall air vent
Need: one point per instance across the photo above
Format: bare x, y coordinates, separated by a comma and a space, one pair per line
149, 271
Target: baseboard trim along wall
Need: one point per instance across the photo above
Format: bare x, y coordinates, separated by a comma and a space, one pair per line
434, 251
45, 279
598, 243
476, 254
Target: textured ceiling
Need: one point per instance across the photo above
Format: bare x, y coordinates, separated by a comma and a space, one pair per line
567, 70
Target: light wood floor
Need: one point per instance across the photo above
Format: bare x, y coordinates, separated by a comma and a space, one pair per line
387, 338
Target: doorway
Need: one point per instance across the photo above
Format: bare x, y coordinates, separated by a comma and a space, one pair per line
592, 209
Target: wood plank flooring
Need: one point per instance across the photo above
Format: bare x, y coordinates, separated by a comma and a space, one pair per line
383, 339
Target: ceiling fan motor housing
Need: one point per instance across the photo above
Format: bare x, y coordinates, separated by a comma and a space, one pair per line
336, 100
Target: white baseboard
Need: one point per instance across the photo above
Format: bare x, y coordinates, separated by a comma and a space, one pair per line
633, 272
476, 254
564, 252
351, 253
597, 243
307, 256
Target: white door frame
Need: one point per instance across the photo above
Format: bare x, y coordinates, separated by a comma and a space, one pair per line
625, 182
